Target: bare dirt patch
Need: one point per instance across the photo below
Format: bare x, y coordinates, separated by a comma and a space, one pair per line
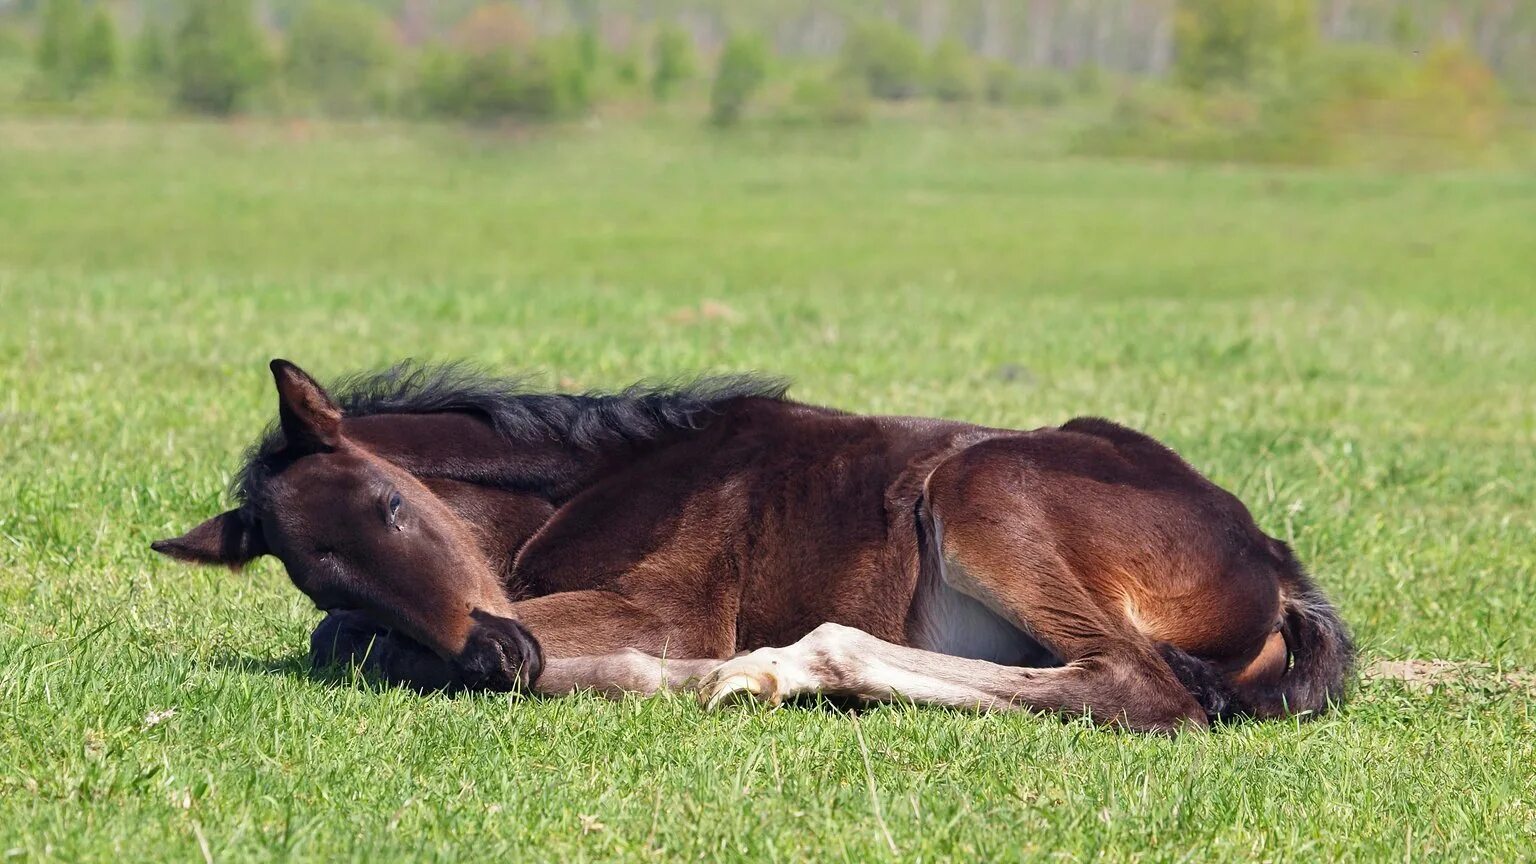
1427, 675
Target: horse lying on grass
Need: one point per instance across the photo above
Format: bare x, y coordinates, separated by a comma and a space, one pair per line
464, 534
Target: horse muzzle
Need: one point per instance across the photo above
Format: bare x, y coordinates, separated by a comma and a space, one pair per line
499, 655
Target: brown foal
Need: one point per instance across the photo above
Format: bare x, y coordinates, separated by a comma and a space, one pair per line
464, 533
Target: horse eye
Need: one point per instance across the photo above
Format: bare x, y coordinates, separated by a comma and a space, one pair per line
394, 504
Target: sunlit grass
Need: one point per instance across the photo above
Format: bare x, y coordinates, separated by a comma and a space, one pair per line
1352, 352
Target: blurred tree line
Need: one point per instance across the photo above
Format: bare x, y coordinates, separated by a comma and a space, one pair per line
1259, 82
1222, 78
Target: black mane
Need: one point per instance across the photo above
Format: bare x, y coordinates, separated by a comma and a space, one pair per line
586, 421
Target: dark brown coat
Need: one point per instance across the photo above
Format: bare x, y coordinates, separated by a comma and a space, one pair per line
499, 528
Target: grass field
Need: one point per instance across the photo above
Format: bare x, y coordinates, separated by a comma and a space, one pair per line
1353, 353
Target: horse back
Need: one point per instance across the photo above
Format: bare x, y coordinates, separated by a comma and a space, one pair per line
774, 519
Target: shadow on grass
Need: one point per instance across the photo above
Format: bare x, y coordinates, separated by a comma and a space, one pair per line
294, 665
299, 667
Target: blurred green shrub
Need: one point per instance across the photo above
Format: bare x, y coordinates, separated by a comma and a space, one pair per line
97, 52
73, 51
338, 52
1089, 79
953, 74
1258, 86
219, 56
1241, 42
836, 100
1376, 103
887, 58
674, 62
1455, 97
495, 68
556, 82
1173, 123
589, 49
151, 57
743, 66
438, 78
1001, 83
484, 86
547, 81
1006, 84
626, 68
1338, 103
58, 42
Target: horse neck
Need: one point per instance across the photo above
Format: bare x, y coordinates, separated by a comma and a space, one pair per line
465, 449
506, 490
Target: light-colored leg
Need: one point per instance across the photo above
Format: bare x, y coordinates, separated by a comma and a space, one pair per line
348, 638
843, 661
834, 660
620, 673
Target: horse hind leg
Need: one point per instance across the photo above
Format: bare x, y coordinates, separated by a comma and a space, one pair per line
1111, 669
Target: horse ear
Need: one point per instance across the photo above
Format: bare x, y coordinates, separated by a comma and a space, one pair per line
225, 539
310, 419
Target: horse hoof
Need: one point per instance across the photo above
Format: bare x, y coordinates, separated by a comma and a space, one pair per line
742, 688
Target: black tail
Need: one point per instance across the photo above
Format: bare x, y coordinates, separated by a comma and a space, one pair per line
1321, 658
1322, 654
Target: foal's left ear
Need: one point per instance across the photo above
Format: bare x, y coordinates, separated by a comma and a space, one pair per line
225, 539
310, 419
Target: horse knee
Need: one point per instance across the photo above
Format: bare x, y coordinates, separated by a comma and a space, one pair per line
342, 638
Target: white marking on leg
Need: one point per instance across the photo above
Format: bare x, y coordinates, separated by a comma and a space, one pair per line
843, 661
625, 672
767, 675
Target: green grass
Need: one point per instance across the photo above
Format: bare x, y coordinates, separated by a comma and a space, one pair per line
1352, 352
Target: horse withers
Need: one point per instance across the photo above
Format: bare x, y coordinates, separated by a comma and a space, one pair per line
464, 533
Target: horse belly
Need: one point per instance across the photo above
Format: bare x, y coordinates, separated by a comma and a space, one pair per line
959, 626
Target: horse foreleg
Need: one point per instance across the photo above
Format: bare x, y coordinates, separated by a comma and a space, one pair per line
835, 660
347, 638
624, 672
353, 639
